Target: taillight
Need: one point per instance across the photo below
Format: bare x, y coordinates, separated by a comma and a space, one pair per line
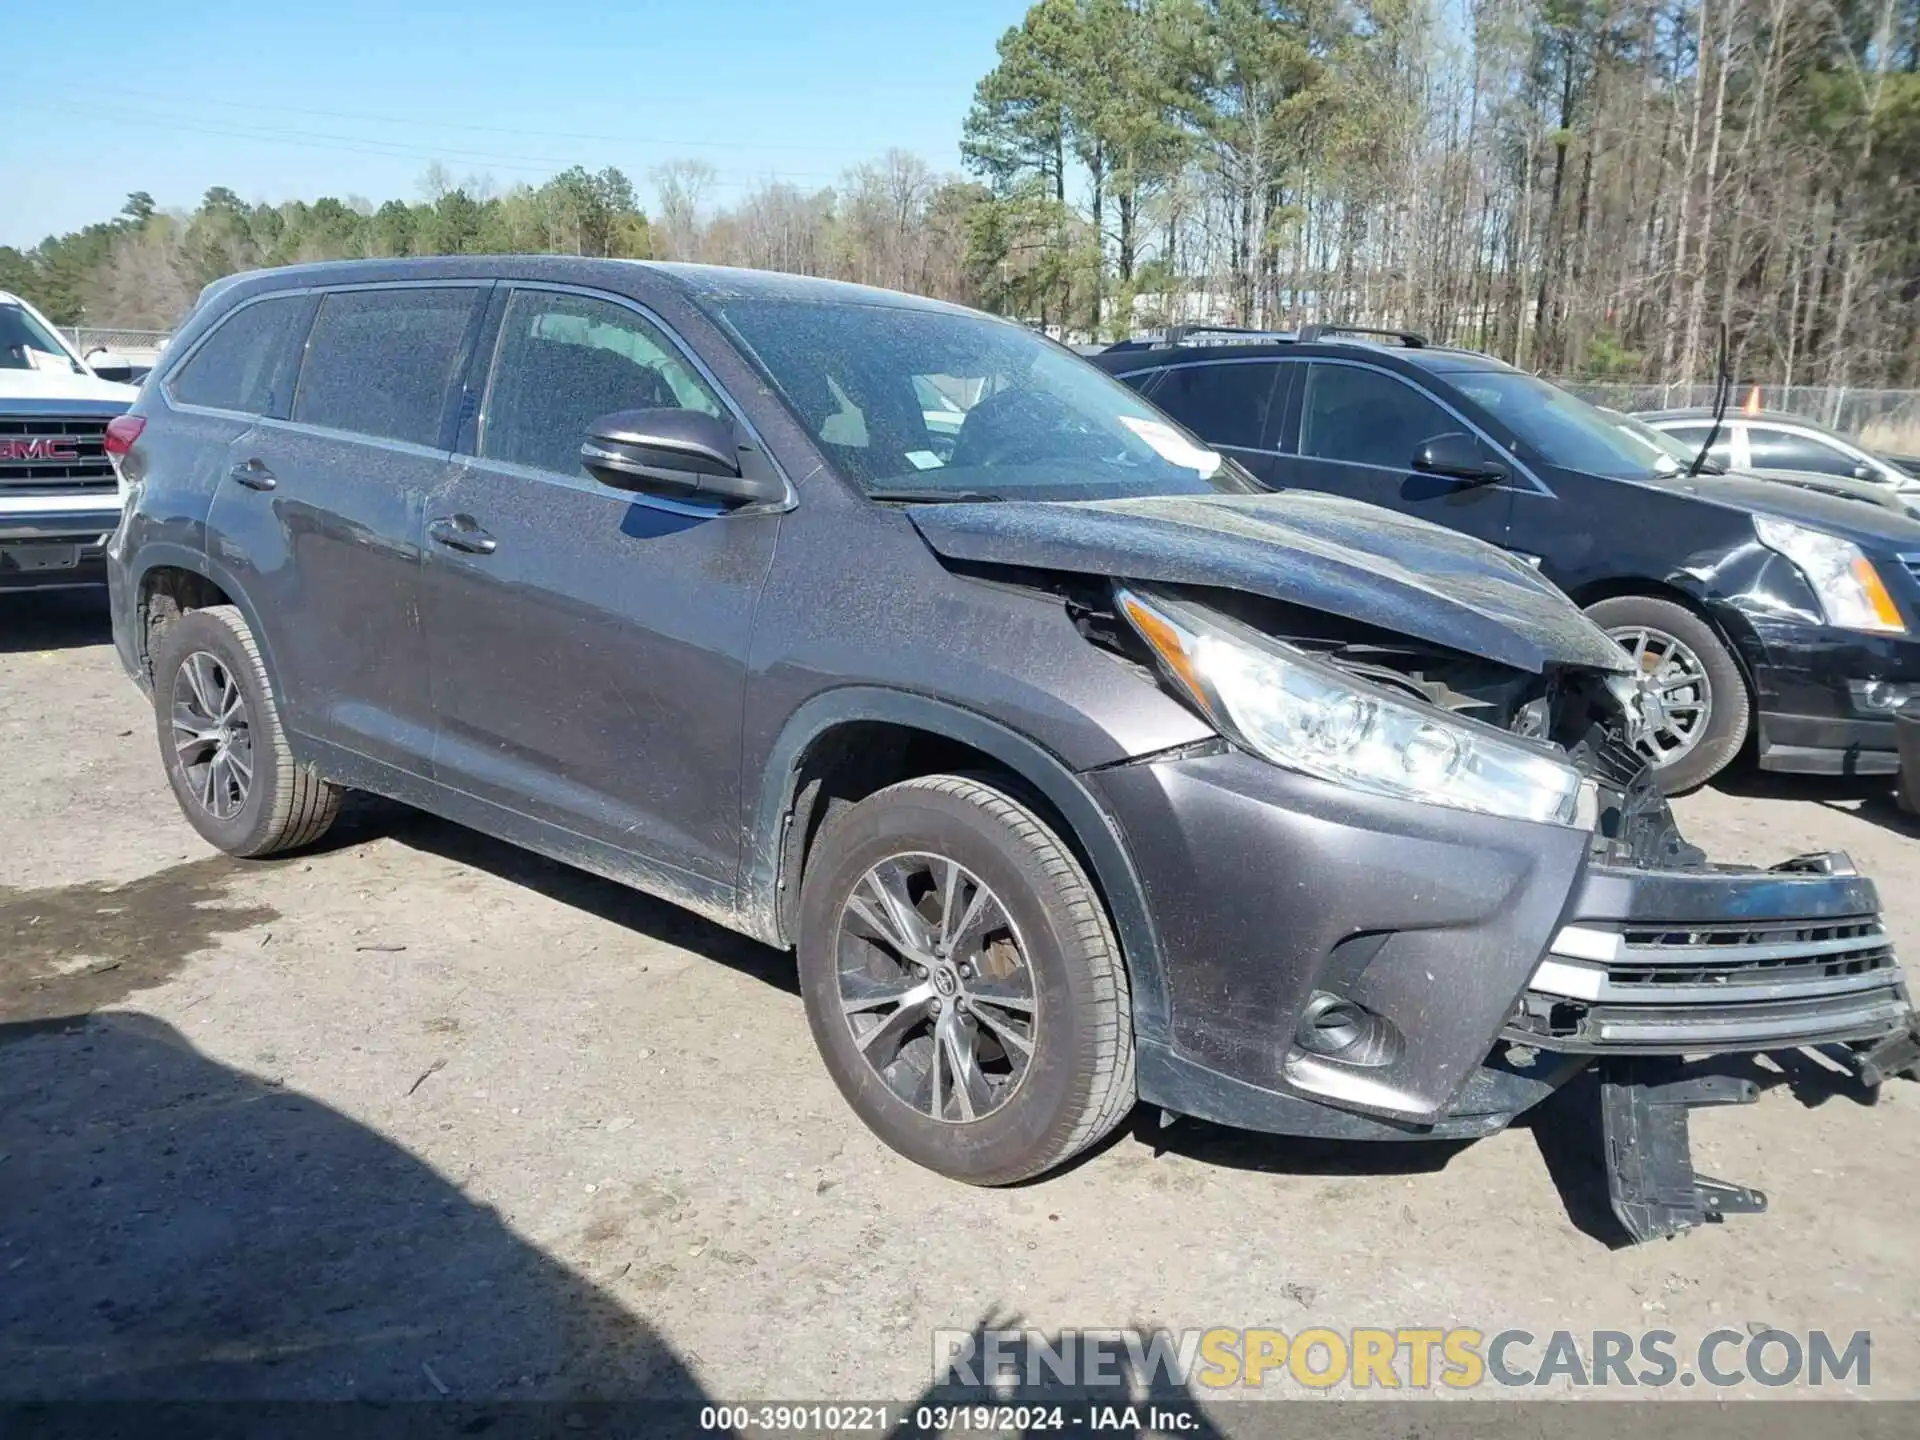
122, 431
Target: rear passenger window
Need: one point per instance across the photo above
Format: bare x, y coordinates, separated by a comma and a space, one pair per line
247, 363
1783, 450
1367, 417
1224, 403
380, 362
562, 362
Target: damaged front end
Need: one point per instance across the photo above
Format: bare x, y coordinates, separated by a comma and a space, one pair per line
1425, 877
1660, 955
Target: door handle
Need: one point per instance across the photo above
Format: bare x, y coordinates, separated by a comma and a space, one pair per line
460, 532
253, 475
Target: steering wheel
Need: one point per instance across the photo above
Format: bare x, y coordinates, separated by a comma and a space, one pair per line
1018, 427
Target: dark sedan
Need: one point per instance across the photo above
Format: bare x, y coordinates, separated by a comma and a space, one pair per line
1759, 615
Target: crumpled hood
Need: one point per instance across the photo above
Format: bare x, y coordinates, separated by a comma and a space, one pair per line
1318, 551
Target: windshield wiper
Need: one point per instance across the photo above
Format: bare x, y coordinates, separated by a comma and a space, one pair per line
1722, 393
934, 497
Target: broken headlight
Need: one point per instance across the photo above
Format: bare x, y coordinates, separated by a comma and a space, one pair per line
1306, 716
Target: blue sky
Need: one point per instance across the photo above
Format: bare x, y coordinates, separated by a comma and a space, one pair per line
348, 97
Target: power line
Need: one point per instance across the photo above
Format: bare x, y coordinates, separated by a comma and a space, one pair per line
498, 129
401, 150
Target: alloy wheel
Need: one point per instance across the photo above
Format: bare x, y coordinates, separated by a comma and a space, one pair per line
936, 987
212, 734
1672, 693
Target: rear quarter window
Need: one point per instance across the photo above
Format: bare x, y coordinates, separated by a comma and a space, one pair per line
382, 362
247, 363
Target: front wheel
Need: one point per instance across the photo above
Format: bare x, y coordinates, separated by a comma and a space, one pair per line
1691, 696
962, 981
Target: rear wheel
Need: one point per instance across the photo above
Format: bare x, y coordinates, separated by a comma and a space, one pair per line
220, 739
1691, 696
962, 981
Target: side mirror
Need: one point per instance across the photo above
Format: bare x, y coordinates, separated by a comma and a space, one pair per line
1459, 457
1863, 471
110, 366
679, 454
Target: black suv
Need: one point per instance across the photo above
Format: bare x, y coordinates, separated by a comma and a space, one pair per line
1754, 610
1075, 769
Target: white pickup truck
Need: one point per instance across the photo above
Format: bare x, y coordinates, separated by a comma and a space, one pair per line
59, 494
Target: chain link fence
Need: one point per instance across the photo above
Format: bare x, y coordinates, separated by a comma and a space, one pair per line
95, 337
1887, 420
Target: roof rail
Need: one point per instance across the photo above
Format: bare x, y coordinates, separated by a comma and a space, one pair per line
1408, 338
1179, 334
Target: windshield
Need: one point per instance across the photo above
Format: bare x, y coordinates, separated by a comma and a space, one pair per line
1564, 429
942, 405
26, 344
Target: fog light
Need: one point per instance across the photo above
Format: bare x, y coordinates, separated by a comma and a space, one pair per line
1884, 696
1338, 1029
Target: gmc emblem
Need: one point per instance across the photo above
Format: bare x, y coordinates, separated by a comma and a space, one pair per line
51, 447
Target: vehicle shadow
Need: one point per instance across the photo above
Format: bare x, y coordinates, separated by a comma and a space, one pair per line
1873, 798
33, 620
173, 1229
370, 817
1222, 1145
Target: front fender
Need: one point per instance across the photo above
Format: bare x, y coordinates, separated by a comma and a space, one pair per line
1094, 832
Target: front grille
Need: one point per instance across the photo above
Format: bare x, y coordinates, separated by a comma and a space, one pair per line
1645, 987
89, 472
1733, 956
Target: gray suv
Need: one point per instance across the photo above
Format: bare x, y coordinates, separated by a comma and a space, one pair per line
1077, 768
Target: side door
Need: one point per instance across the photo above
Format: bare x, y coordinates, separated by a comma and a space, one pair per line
1233, 404
326, 505
243, 369
1357, 428
588, 645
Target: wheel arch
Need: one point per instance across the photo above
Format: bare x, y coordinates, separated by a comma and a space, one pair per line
158, 558
783, 819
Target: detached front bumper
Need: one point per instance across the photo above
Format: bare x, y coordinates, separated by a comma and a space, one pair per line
1342, 965
1705, 961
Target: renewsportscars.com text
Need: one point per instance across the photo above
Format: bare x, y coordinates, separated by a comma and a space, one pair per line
1404, 1358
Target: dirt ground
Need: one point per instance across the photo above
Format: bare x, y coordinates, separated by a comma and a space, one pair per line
419, 1114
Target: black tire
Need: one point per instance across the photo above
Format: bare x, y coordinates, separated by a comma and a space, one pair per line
1079, 1081
1730, 708
284, 804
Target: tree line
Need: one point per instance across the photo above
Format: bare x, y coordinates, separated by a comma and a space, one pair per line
1584, 187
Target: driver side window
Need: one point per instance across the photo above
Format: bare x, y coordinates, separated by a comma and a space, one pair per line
562, 362
1366, 417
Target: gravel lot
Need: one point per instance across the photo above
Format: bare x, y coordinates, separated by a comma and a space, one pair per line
422, 1113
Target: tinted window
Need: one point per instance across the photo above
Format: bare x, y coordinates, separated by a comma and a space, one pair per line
1690, 436
1367, 417
562, 362
247, 363
1224, 403
382, 361
1782, 450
